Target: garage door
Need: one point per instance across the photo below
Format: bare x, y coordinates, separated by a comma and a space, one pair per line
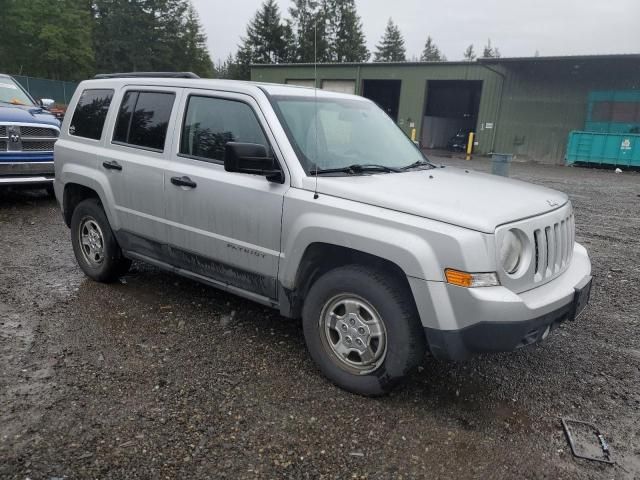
301, 82
340, 86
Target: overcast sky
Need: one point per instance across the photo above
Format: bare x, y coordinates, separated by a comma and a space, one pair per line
516, 27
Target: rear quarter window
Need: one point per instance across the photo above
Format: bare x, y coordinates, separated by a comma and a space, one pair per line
90, 113
143, 119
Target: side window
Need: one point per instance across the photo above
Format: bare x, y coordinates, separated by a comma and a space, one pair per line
210, 123
143, 119
90, 114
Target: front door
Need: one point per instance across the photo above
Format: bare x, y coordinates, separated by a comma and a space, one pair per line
224, 226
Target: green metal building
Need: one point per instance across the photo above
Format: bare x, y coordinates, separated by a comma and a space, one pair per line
524, 106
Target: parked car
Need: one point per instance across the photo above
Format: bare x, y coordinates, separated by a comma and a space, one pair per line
28, 132
459, 142
316, 204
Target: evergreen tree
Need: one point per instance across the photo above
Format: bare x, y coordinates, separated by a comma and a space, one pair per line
470, 54
196, 56
490, 51
241, 70
265, 35
268, 40
46, 38
391, 47
289, 40
304, 14
431, 52
153, 35
349, 43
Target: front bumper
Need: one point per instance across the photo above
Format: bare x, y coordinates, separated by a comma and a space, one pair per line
31, 171
460, 322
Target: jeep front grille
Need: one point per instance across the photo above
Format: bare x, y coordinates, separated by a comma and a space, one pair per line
553, 248
3, 145
3, 131
549, 242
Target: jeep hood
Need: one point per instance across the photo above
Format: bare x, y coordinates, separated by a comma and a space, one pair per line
469, 199
25, 114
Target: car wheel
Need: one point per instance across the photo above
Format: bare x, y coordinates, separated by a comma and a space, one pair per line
362, 329
95, 247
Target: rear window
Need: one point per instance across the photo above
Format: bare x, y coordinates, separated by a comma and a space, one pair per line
90, 114
143, 119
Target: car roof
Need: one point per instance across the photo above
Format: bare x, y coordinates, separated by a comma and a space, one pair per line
237, 86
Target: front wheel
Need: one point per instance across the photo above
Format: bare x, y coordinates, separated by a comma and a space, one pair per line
94, 244
362, 329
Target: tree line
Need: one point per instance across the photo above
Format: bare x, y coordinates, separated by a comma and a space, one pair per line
74, 39
324, 31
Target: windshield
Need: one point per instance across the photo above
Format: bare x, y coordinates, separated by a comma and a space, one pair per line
349, 132
10, 92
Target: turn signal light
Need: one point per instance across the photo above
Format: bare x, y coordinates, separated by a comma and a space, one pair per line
471, 280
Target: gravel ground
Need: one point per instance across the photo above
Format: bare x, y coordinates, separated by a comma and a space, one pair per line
160, 377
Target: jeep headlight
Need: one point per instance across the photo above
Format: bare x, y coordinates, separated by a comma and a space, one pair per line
511, 251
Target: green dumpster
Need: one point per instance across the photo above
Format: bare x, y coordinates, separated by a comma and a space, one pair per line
618, 150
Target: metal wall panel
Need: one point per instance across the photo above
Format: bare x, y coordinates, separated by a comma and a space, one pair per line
527, 108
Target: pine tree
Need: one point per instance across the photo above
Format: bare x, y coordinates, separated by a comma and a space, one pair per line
304, 14
196, 54
431, 52
152, 35
490, 51
391, 48
470, 54
47, 38
265, 35
289, 40
268, 40
349, 43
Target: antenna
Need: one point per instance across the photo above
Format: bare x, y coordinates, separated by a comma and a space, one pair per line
315, 101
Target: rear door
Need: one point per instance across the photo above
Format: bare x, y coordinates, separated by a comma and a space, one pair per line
224, 226
135, 161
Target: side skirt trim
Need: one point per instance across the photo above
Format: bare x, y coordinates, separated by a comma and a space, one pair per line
206, 280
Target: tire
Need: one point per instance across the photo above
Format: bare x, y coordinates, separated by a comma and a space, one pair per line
361, 299
99, 255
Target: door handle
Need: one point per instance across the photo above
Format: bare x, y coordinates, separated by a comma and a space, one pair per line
183, 182
112, 165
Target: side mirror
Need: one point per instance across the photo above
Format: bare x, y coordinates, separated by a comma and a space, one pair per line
251, 158
47, 103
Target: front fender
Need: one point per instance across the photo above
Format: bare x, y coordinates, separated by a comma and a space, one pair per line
422, 248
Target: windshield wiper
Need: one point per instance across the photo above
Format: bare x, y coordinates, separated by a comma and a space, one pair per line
419, 163
356, 169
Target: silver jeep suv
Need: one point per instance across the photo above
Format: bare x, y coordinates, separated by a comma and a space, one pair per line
316, 204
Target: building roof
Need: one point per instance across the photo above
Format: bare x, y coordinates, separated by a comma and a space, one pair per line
505, 60
565, 58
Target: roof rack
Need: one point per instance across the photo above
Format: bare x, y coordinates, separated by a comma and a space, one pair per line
147, 75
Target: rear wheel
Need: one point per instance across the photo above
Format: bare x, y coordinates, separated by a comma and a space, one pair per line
362, 329
95, 247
